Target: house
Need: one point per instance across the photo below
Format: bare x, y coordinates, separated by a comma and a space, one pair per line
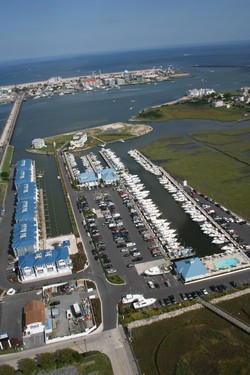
34, 317
218, 103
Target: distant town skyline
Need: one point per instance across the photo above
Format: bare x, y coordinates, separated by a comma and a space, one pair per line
42, 28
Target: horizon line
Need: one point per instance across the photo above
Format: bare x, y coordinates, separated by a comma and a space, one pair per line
110, 52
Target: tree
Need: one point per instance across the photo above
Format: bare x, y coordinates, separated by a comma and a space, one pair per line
7, 370
65, 357
5, 175
46, 361
27, 366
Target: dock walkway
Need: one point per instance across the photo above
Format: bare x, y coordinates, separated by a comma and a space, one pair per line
225, 315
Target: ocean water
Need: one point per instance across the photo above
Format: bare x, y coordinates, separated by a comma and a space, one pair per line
220, 67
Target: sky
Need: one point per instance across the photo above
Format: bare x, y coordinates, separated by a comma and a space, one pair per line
44, 28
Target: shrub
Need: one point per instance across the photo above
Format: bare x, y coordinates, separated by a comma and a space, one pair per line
46, 361
7, 370
65, 357
27, 366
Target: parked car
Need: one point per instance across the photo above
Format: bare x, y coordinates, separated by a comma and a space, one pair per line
54, 303
130, 265
151, 284
110, 271
172, 299
233, 283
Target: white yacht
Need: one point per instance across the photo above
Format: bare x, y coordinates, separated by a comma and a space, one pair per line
154, 271
129, 298
144, 303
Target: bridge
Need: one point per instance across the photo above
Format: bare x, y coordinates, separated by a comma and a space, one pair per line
8, 129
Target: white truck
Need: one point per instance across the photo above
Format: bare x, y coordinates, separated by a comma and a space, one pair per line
76, 310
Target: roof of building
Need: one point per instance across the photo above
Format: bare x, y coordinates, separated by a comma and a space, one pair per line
44, 257
24, 164
34, 312
24, 234
191, 268
24, 176
26, 210
87, 177
108, 174
26, 191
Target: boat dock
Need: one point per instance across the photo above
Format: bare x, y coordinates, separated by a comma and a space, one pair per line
181, 192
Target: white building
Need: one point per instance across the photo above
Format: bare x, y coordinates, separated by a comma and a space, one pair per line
218, 103
38, 143
79, 140
34, 312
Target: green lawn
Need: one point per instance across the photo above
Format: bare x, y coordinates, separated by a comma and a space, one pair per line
95, 363
219, 166
192, 110
197, 342
5, 168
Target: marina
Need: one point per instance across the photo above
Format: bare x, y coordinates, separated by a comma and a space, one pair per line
156, 229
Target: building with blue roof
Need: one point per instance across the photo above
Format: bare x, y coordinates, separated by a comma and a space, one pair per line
25, 164
91, 179
45, 263
24, 177
108, 176
26, 210
25, 238
27, 191
190, 269
88, 179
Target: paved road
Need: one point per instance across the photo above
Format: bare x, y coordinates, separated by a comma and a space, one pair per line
113, 343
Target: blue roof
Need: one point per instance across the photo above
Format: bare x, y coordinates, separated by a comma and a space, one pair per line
26, 210
44, 257
26, 191
24, 234
109, 174
23, 176
87, 177
191, 268
24, 164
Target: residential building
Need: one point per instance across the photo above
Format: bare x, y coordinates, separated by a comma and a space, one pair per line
25, 238
34, 317
45, 263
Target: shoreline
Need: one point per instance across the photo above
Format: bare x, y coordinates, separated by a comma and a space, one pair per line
140, 130
75, 78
